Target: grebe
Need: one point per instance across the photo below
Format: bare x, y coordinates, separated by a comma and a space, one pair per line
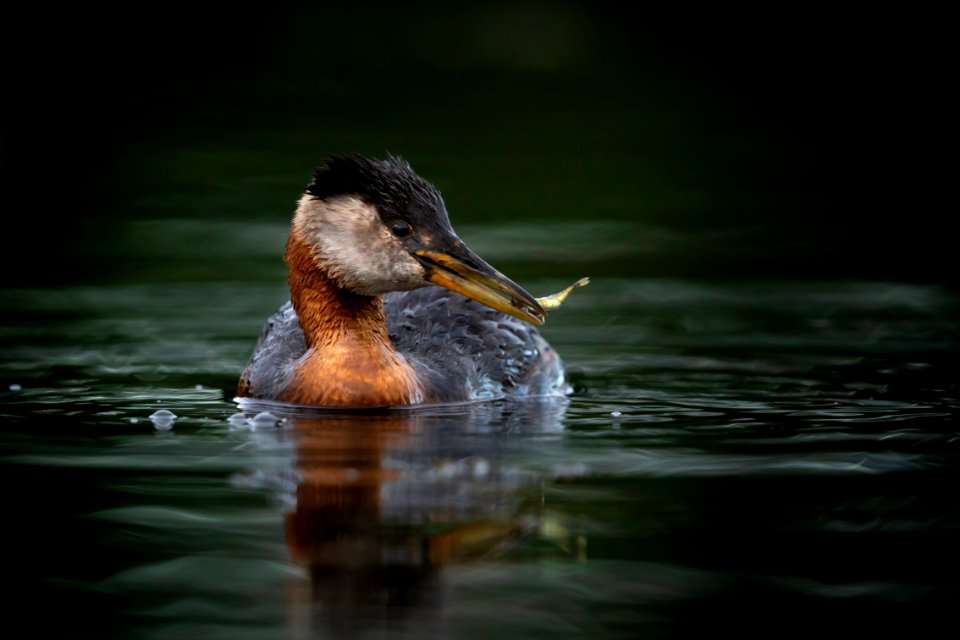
363, 328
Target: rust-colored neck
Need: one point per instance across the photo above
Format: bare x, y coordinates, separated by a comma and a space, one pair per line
324, 309
350, 360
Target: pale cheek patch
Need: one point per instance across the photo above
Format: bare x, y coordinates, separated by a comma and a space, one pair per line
354, 247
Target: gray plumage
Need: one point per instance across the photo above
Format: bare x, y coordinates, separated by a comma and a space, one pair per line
462, 350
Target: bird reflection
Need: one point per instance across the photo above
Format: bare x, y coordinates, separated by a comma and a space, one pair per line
386, 499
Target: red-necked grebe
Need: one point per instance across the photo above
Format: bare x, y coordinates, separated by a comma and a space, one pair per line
364, 328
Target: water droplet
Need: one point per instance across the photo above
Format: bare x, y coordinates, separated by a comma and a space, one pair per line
616, 414
163, 419
15, 387
480, 468
238, 420
134, 420
264, 420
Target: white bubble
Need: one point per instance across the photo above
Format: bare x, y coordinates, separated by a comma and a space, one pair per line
480, 468
134, 420
616, 414
264, 420
15, 387
163, 419
238, 420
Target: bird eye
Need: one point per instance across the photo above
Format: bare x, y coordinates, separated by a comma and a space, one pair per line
401, 229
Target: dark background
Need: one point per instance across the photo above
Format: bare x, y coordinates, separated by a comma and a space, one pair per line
140, 142
796, 143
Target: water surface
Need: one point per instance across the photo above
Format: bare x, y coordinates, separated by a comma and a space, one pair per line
763, 438
736, 454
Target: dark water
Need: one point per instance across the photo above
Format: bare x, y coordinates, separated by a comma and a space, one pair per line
763, 441
747, 456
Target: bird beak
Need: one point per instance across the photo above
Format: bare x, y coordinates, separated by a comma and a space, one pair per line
470, 276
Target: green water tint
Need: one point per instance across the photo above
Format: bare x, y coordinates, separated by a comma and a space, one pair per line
727, 442
763, 436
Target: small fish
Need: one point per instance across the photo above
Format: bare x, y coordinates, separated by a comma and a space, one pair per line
553, 301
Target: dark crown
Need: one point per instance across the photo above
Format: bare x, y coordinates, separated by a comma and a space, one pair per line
390, 183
